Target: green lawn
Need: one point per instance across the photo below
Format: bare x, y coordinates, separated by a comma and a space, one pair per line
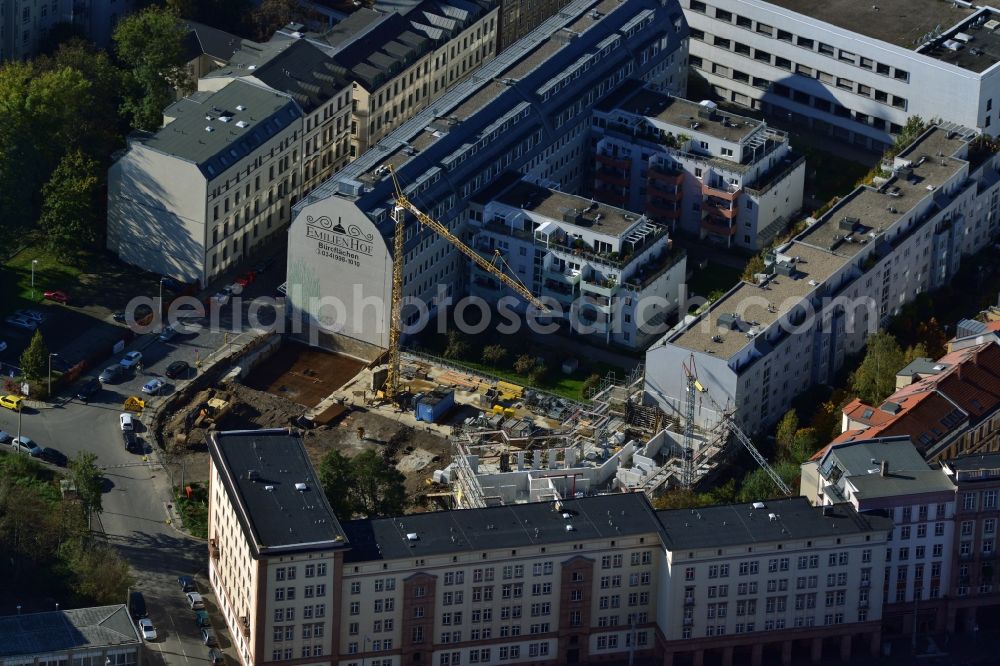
50, 273
714, 277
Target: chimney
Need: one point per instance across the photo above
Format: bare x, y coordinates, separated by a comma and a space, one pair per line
884, 468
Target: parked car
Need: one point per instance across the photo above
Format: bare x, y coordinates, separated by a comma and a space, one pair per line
131, 359
177, 369
24, 444
147, 629
130, 441
21, 322
195, 601
201, 618
153, 386
3, 345
208, 637
111, 374
137, 604
89, 390
5, 437
11, 402
58, 296
34, 315
246, 278
57, 458
187, 584
216, 658
221, 298
126, 422
168, 334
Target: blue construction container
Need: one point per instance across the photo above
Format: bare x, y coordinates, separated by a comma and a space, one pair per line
430, 407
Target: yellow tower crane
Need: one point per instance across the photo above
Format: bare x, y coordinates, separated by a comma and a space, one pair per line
494, 268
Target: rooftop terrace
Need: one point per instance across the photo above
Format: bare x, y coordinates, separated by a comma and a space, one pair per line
687, 116
555, 205
974, 46
900, 22
758, 307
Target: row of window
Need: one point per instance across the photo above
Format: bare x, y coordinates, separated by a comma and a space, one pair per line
287, 632
822, 48
309, 570
286, 654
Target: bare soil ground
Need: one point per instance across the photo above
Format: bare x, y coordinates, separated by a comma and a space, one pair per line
303, 374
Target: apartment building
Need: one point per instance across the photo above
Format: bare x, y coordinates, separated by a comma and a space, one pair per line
972, 589
855, 70
971, 332
401, 63
25, 24
771, 582
322, 89
949, 407
211, 186
613, 273
527, 111
519, 17
206, 49
275, 549
880, 246
587, 580
97, 635
889, 477
730, 180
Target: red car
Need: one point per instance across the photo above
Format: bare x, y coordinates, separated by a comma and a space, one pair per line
246, 278
57, 296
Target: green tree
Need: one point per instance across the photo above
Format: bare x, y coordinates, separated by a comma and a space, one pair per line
911, 354
875, 379
35, 358
70, 204
538, 375
805, 443
524, 364
679, 498
21, 172
336, 476
754, 266
88, 479
100, 574
271, 15
932, 337
757, 485
589, 384
378, 488
785, 434
151, 46
494, 355
458, 346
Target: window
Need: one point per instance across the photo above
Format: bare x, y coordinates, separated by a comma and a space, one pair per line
698, 6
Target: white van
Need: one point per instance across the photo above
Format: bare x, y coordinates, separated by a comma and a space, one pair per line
126, 422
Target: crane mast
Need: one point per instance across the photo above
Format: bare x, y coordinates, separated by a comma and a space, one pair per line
403, 204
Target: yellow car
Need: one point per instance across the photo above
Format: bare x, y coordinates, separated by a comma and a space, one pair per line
11, 402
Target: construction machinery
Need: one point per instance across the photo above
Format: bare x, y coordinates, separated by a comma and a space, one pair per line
728, 423
494, 268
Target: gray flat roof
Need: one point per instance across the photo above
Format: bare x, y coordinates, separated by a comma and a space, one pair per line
514, 526
741, 524
982, 49
988, 461
903, 482
682, 113
899, 22
74, 629
856, 457
265, 113
260, 470
781, 292
553, 204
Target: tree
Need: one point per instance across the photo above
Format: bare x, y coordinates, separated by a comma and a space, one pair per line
151, 46
679, 498
538, 375
100, 574
70, 204
494, 355
590, 384
804, 445
458, 346
336, 476
875, 379
35, 358
272, 15
378, 488
785, 434
757, 485
913, 353
754, 266
932, 337
88, 479
524, 364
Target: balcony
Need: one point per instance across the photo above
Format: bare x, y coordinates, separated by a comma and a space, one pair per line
609, 176
606, 158
726, 192
615, 196
564, 277
646, 274
213, 549
665, 176
712, 206
718, 227
245, 626
662, 210
602, 287
499, 226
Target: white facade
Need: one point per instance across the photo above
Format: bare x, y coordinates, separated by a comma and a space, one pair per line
857, 87
831, 285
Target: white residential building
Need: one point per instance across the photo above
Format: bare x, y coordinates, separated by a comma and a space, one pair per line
598, 262
762, 344
211, 186
729, 179
856, 70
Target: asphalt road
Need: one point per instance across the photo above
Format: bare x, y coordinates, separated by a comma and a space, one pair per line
137, 488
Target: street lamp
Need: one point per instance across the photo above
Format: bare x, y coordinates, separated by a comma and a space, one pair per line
159, 305
33, 262
51, 354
